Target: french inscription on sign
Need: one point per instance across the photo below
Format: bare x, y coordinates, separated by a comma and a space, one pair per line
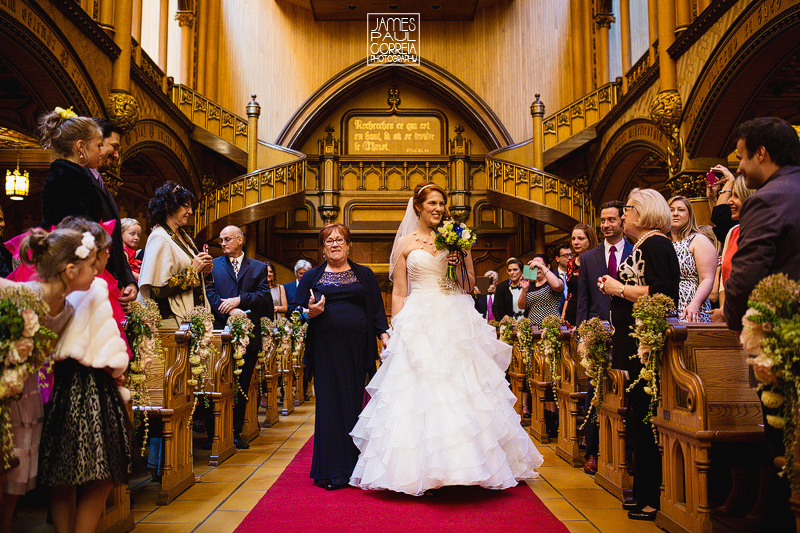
394, 135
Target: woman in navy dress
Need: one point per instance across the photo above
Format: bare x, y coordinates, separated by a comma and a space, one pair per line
345, 315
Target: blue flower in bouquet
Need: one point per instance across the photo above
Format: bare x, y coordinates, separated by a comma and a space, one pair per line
454, 236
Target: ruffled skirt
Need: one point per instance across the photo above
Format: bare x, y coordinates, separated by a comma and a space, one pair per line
441, 411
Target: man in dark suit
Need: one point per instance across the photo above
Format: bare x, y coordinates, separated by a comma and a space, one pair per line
240, 286
484, 302
89, 198
508, 291
599, 261
769, 242
301, 267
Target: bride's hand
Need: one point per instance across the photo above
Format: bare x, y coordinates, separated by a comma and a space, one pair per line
453, 258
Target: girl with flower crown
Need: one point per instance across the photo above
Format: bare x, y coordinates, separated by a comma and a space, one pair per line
64, 261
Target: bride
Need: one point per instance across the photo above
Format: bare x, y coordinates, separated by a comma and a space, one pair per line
441, 412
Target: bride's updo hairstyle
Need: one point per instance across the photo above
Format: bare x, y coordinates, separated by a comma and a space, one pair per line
422, 191
50, 252
59, 130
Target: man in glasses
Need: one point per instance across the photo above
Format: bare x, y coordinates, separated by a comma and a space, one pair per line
240, 287
563, 256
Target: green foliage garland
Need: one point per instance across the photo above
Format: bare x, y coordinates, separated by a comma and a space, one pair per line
241, 329
201, 324
595, 351
551, 345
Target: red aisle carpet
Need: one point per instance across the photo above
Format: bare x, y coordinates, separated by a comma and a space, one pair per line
293, 503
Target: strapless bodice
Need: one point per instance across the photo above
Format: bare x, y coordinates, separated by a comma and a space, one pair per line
425, 270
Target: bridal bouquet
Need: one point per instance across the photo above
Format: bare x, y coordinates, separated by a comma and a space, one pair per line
24, 349
453, 236
771, 335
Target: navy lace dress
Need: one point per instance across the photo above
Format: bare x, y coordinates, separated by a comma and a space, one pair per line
343, 340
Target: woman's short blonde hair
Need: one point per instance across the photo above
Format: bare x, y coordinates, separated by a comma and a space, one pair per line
653, 209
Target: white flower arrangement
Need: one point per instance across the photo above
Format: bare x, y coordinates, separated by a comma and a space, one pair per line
241, 329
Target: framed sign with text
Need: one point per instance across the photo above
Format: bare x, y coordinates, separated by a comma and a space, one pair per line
402, 133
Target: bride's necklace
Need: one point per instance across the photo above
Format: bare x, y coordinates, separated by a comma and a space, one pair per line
426, 241
643, 237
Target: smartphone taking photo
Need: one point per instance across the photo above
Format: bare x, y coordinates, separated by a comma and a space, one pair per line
530, 273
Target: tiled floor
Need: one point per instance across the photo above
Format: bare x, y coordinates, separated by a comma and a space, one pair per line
225, 494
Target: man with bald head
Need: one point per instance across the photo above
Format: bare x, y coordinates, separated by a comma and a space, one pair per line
240, 286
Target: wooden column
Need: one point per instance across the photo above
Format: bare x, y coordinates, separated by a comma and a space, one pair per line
186, 22
121, 71
537, 112
538, 236
578, 42
603, 22
163, 35
212, 47
588, 56
329, 151
106, 14
683, 15
625, 34
136, 30
459, 175
253, 112
668, 73
702, 4
202, 37
652, 26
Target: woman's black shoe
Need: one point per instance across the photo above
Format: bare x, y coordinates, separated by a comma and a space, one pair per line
335, 486
630, 506
642, 515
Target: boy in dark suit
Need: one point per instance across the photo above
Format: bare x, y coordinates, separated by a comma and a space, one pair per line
240, 286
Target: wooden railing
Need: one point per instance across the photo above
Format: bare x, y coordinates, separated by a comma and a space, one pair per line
637, 70
580, 115
251, 197
210, 116
537, 194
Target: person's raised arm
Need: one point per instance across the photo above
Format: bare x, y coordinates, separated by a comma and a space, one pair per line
705, 257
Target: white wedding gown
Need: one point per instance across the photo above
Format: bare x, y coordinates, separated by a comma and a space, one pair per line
441, 412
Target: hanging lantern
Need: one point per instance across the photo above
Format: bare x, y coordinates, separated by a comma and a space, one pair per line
17, 183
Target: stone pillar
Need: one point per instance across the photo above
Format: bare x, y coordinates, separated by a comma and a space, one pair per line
186, 22
329, 151
625, 34
665, 111
537, 112
603, 22
121, 106
253, 112
702, 4
212, 47
459, 175
578, 42
588, 55
163, 35
251, 240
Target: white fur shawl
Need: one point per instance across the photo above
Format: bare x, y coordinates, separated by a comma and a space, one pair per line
92, 337
163, 258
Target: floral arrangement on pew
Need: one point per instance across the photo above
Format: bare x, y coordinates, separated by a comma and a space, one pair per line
241, 329
551, 345
771, 335
650, 312
141, 328
24, 349
595, 351
201, 325
298, 336
454, 236
507, 330
525, 346
279, 332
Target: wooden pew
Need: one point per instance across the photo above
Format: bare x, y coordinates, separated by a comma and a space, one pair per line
286, 369
612, 466
299, 371
570, 393
271, 382
171, 400
708, 400
250, 427
220, 388
794, 500
516, 374
539, 384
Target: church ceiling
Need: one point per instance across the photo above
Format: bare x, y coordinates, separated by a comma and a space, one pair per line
439, 10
